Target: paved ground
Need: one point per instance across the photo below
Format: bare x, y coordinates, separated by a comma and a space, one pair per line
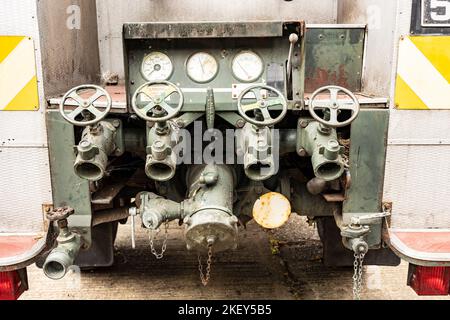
284, 264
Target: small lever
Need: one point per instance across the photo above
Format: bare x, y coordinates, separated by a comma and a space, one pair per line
133, 213
293, 38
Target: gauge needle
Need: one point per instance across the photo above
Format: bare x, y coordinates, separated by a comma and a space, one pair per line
201, 65
248, 76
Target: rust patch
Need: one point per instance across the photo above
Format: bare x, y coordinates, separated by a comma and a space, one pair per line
323, 77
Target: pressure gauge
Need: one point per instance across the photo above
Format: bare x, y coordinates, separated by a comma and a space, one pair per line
201, 67
156, 66
247, 66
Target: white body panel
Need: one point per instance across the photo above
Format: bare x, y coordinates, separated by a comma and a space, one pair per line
24, 170
418, 157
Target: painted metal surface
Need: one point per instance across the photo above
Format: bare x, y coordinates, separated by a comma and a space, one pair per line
380, 16
19, 248
203, 30
69, 43
25, 186
334, 57
112, 14
271, 49
367, 165
422, 246
427, 85
25, 178
68, 188
18, 79
417, 169
430, 17
416, 183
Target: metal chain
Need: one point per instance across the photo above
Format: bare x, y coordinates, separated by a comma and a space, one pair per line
151, 237
358, 275
205, 277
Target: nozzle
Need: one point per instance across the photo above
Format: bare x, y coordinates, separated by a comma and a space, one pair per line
160, 170
61, 258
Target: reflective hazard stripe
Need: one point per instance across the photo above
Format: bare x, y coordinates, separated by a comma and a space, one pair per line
423, 74
18, 81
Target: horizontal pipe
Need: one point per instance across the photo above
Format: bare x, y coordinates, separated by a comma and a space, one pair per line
110, 215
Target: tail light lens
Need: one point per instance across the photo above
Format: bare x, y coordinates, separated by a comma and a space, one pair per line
430, 281
13, 284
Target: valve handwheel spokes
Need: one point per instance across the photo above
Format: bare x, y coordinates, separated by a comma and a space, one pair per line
156, 94
85, 106
267, 99
333, 106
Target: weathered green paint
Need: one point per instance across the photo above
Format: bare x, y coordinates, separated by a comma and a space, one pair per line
273, 48
202, 30
367, 164
322, 145
334, 57
68, 189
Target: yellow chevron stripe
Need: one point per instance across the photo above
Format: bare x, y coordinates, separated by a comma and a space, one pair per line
437, 51
423, 72
405, 96
25, 98
8, 44
18, 82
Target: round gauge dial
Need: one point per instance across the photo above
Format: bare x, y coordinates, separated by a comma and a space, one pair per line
247, 66
156, 66
201, 67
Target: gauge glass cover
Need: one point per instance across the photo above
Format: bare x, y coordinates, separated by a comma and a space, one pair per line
156, 66
201, 67
247, 66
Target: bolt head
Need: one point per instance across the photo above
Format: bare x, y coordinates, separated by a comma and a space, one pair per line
240, 123
180, 123
116, 123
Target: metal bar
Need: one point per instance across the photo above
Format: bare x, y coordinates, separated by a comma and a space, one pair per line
172, 30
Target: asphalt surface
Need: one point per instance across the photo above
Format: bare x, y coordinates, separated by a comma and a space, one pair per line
281, 264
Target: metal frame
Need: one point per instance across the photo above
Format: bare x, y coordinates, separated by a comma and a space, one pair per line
417, 26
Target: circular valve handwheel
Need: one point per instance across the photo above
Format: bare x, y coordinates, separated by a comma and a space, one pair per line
157, 99
334, 106
85, 104
264, 102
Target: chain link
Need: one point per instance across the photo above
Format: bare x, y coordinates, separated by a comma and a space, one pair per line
358, 275
151, 237
205, 277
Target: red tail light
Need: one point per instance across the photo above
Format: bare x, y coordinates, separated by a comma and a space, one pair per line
12, 284
430, 281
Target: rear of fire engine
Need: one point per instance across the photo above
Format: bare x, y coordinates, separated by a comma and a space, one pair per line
214, 114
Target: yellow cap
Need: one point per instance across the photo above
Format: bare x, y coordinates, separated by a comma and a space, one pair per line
271, 210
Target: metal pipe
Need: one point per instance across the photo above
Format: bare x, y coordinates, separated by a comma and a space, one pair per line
155, 210
96, 144
110, 215
324, 149
62, 257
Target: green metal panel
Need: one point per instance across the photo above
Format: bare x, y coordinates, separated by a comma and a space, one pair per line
367, 164
270, 43
68, 189
334, 57
202, 30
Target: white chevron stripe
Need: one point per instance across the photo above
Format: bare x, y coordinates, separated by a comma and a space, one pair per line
16, 70
422, 77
